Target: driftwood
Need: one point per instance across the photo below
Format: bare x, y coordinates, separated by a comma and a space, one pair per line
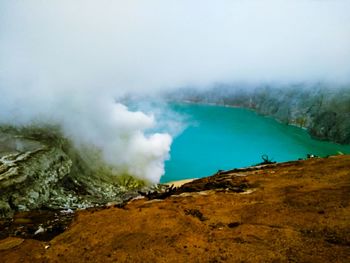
160, 194
195, 213
221, 180
226, 183
266, 160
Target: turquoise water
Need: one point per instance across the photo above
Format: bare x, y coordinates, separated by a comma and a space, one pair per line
220, 137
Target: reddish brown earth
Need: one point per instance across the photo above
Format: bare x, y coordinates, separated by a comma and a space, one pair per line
290, 212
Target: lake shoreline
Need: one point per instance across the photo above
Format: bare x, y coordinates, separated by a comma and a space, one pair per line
179, 183
239, 138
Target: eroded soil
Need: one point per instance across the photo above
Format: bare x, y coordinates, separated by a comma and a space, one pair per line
290, 212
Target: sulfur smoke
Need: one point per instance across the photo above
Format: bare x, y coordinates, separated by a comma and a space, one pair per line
71, 62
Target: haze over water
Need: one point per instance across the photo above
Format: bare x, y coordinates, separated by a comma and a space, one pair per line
221, 137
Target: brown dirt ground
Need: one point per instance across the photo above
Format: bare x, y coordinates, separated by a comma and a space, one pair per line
297, 212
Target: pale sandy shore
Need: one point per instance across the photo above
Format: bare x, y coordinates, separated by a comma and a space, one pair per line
180, 182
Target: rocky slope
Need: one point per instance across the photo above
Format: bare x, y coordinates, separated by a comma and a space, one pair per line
289, 212
40, 169
324, 111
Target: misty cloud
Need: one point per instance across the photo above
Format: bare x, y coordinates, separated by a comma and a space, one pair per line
68, 61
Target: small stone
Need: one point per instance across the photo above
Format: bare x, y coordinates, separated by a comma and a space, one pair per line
40, 230
233, 224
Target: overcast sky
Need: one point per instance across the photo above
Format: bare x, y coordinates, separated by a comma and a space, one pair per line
154, 44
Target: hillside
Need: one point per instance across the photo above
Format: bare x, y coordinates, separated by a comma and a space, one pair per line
289, 212
324, 111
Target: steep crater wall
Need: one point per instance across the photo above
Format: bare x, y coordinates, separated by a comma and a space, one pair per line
39, 169
323, 111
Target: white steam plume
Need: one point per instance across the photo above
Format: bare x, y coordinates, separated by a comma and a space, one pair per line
67, 61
